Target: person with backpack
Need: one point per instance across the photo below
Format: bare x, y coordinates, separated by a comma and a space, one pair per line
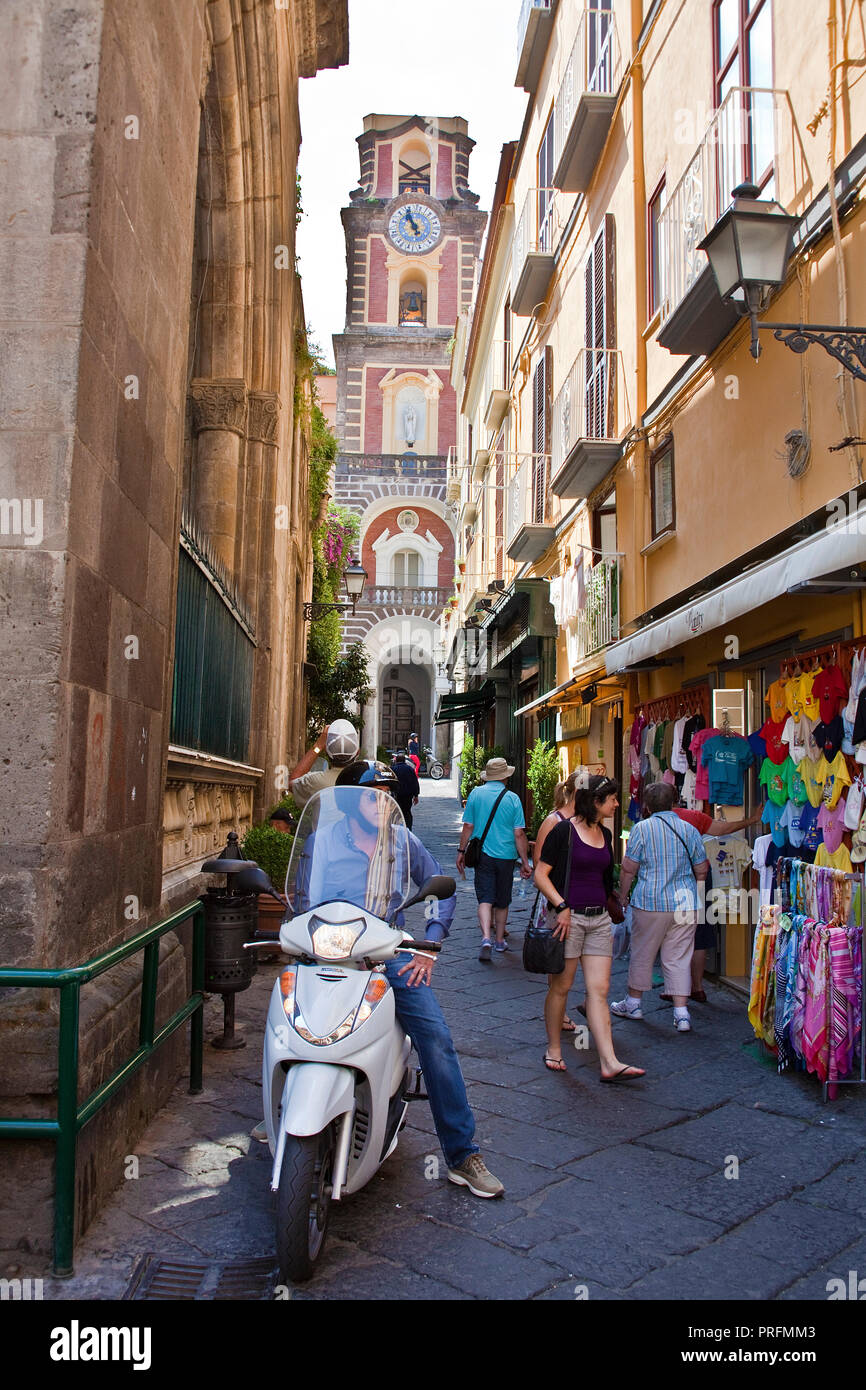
666, 857
492, 839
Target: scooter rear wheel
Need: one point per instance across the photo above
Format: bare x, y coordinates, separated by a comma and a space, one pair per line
304, 1202
436, 771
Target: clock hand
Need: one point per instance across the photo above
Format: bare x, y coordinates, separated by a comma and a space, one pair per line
412, 223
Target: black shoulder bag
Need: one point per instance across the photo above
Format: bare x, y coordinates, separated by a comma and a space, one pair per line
544, 953
472, 853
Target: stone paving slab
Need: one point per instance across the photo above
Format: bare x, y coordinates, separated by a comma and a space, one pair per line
612, 1193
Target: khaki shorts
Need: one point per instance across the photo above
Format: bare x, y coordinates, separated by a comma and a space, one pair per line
588, 936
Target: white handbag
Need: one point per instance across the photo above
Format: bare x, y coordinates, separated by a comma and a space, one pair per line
854, 804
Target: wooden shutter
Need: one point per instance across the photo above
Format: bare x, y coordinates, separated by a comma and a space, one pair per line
542, 417
600, 334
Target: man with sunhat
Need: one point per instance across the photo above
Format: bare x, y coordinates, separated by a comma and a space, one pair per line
495, 815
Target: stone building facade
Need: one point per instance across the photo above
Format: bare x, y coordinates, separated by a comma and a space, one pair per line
152, 424
413, 233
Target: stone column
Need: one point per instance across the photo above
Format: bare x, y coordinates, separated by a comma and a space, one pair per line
219, 409
265, 551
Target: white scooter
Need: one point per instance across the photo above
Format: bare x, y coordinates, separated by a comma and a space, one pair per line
335, 1069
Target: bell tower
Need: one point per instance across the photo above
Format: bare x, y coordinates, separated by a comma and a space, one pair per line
413, 234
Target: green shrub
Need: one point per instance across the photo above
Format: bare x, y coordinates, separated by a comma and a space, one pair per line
541, 778
271, 850
467, 766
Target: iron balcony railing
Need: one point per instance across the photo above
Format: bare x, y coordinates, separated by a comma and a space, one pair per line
741, 142
537, 229
591, 404
598, 623
594, 65
405, 596
528, 497
453, 475
430, 466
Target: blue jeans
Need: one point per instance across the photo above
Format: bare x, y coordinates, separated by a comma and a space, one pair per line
419, 1013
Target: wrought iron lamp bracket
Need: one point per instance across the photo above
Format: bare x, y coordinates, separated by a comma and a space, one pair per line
847, 345
318, 610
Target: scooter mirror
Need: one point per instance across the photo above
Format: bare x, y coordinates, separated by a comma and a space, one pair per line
255, 880
439, 886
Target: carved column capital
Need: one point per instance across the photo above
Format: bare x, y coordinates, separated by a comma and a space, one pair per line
219, 403
264, 416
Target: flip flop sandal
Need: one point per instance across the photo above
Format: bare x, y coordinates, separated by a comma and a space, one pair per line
554, 1063
624, 1074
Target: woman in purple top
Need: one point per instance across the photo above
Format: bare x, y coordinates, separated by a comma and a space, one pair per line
578, 914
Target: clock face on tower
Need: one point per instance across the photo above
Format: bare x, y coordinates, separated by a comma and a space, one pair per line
414, 228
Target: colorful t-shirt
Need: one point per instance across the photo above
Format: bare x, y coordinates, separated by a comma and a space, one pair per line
499, 841
792, 820
726, 760
808, 770
797, 733
807, 694
794, 782
728, 858
829, 689
829, 737
699, 819
774, 777
809, 827
840, 860
776, 699
771, 816
832, 822
702, 783
833, 776
689, 792
773, 736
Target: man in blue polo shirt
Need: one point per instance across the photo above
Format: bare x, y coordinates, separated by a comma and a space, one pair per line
504, 842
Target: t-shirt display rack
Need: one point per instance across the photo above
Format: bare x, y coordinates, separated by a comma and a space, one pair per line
694, 699
820, 912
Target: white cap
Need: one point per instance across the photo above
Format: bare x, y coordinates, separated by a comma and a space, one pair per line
342, 740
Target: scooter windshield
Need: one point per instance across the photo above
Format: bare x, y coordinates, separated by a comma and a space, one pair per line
351, 845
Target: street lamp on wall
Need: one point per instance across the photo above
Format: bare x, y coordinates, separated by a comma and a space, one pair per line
748, 250
354, 578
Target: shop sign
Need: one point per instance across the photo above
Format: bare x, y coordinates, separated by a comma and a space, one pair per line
696, 620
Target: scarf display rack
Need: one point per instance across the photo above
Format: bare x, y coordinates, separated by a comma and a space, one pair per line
806, 995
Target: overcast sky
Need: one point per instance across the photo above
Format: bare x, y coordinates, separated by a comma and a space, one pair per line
466, 69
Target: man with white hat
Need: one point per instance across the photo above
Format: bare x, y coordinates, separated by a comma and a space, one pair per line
496, 816
339, 742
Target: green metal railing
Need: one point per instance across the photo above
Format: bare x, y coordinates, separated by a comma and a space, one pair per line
73, 1115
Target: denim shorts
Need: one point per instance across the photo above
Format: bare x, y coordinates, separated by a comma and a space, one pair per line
494, 879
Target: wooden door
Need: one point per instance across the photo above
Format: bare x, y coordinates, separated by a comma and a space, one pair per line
398, 717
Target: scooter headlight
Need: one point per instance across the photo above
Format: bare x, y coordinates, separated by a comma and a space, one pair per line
373, 995
334, 940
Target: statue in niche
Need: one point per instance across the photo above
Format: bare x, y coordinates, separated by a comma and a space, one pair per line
410, 424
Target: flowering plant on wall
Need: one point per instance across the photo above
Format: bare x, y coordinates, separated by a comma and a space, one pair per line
339, 537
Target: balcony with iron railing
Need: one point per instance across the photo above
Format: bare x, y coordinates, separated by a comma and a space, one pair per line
496, 389
431, 467
536, 237
586, 101
590, 418
534, 28
453, 474
741, 143
529, 528
598, 622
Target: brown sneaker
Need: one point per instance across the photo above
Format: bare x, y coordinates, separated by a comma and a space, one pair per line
474, 1174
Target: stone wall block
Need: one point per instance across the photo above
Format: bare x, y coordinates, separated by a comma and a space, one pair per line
38, 372
134, 452
101, 311
27, 182
97, 403
34, 466
88, 645
31, 600
73, 743
85, 506
161, 502
123, 550
161, 580
147, 673
72, 194
71, 38
89, 746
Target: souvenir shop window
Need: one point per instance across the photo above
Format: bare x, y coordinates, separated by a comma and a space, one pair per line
664, 511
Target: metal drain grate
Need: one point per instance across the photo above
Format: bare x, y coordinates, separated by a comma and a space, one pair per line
154, 1280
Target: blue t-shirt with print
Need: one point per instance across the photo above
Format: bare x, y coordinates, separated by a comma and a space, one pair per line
813, 835
499, 843
726, 760
772, 817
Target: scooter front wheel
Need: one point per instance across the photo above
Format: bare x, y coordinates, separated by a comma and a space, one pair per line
304, 1202
436, 771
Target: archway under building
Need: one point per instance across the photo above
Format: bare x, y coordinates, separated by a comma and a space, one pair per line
403, 674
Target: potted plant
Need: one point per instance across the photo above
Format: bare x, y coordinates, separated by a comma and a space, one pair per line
461, 565
271, 849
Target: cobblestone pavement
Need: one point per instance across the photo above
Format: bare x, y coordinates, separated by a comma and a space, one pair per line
611, 1194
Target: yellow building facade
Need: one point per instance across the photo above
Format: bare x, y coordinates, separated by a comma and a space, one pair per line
648, 514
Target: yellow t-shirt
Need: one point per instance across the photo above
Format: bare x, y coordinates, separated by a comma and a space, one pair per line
808, 770
776, 698
839, 859
832, 776
810, 705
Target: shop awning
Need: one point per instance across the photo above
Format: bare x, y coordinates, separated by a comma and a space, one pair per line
466, 704
833, 548
548, 698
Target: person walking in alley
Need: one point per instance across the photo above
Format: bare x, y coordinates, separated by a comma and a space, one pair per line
563, 809
497, 815
413, 748
409, 787
574, 871
668, 858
